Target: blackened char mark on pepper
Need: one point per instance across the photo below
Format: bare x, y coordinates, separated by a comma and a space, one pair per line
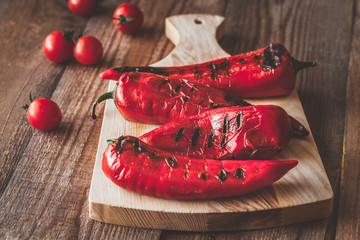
177, 89
213, 70
225, 66
204, 176
272, 56
158, 71
226, 124
239, 173
120, 145
179, 134
172, 162
210, 141
195, 137
239, 119
222, 175
216, 68
153, 154
242, 61
256, 57
138, 147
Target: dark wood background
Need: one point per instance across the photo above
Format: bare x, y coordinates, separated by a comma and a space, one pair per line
45, 176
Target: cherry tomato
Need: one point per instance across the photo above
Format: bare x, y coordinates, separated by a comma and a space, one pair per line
88, 50
82, 7
43, 114
128, 18
58, 46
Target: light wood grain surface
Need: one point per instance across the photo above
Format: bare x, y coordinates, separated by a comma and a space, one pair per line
45, 176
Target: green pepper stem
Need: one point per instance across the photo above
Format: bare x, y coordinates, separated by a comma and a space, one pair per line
110, 141
297, 129
300, 131
299, 65
105, 96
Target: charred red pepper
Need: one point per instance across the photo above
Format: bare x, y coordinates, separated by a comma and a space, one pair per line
138, 167
254, 132
266, 72
149, 98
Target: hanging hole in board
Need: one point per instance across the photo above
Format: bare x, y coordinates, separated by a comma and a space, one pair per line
197, 21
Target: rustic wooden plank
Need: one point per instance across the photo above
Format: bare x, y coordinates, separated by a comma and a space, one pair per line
24, 70
323, 92
348, 222
46, 196
310, 33
250, 25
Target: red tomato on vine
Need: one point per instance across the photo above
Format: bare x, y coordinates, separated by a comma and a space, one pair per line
43, 114
128, 18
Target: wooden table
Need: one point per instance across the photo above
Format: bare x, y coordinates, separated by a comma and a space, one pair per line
45, 176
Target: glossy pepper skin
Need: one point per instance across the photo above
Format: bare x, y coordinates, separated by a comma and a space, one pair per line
267, 72
254, 132
138, 167
150, 98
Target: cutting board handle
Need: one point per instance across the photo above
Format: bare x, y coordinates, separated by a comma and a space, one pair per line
192, 35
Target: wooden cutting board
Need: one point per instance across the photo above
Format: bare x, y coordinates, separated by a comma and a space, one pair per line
303, 194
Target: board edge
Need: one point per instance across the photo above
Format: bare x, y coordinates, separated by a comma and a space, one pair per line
207, 222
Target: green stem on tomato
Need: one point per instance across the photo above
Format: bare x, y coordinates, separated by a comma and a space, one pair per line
122, 20
68, 34
26, 106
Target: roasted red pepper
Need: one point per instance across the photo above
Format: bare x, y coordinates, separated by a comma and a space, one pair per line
266, 72
149, 98
141, 168
254, 132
